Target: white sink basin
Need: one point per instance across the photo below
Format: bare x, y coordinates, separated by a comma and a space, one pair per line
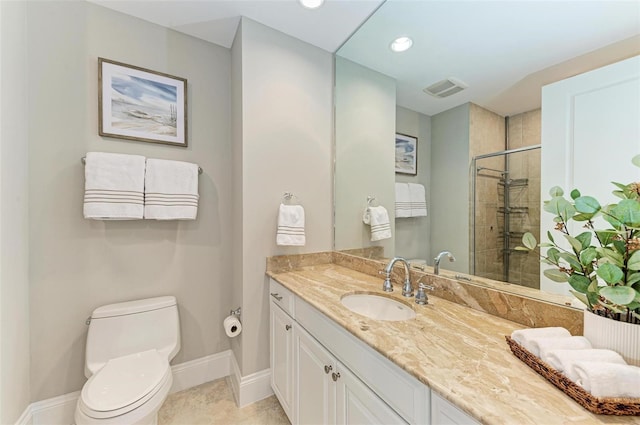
378, 307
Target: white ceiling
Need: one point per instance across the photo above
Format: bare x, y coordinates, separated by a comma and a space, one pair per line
216, 20
504, 49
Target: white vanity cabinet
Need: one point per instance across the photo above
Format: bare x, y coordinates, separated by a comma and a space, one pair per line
281, 339
445, 413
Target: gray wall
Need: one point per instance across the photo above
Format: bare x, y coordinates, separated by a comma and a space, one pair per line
365, 152
450, 185
286, 132
413, 234
14, 250
77, 265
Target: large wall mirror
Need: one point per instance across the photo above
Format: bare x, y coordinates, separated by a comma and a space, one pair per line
479, 156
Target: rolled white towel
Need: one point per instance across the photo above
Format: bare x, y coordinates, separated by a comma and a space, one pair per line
608, 379
563, 360
543, 345
524, 336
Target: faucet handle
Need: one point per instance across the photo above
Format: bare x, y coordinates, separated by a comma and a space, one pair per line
425, 286
421, 295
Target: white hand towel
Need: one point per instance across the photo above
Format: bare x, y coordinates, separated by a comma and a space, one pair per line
545, 344
524, 336
563, 360
171, 190
290, 225
403, 200
114, 185
418, 200
608, 379
378, 218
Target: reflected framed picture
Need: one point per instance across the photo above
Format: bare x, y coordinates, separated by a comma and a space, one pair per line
406, 154
142, 105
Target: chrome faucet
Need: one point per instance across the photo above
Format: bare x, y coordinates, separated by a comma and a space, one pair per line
407, 290
436, 264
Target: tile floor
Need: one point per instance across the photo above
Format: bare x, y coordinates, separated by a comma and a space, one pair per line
213, 403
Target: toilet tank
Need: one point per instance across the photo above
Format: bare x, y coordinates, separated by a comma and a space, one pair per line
131, 327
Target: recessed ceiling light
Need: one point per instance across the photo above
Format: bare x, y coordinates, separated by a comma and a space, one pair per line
311, 4
401, 44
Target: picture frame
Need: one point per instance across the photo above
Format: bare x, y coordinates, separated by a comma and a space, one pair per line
406, 154
139, 104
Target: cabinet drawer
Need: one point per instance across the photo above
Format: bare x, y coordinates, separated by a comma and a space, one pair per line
282, 297
405, 394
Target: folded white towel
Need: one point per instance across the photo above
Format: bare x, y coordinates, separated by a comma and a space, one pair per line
563, 360
403, 200
608, 379
171, 190
290, 225
418, 200
114, 185
524, 336
545, 344
378, 218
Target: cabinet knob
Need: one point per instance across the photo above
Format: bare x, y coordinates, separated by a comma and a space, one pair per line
328, 368
287, 327
335, 376
276, 296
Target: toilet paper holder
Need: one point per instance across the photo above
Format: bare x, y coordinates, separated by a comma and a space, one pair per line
236, 312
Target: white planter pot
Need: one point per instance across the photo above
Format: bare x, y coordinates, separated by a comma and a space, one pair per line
624, 338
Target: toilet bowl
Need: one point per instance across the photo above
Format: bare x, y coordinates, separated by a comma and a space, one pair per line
127, 390
129, 346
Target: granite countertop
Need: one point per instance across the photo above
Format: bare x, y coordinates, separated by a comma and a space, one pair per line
459, 352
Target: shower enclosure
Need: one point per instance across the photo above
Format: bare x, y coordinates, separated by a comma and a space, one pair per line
506, 204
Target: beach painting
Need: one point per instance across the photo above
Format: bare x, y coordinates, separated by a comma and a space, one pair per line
406, 154
143, 105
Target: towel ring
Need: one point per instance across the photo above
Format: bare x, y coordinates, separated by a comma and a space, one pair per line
84, 162
287, 197
370, 200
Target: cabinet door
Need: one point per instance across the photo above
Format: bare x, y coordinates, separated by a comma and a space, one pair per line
445, 413
357, 404
281, 339
315, 391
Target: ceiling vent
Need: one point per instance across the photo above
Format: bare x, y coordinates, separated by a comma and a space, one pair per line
445, 88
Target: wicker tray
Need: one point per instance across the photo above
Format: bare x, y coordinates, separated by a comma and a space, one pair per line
600, 406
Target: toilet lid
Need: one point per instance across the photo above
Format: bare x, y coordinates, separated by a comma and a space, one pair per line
124, 380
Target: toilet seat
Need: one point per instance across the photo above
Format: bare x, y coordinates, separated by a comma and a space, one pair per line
124, 384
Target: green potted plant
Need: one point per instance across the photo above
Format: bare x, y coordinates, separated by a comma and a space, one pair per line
600, 260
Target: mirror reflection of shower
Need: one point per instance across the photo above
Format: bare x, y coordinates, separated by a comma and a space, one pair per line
506, 204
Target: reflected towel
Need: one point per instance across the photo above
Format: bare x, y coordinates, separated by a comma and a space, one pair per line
608, 379
290, 230
378, 218
171, 190
114, 186
418, 200
544, 345
403, 200
524, 336
563, 360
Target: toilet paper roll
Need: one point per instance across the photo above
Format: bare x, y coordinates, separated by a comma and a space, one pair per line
232, 326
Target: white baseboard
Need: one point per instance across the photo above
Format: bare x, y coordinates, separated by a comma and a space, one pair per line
251, 388
60, 410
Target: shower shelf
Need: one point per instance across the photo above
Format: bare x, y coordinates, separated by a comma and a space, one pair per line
513, 210
514, 182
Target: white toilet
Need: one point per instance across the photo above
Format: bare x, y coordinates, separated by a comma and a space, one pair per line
129, 346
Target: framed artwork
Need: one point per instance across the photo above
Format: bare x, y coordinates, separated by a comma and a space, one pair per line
142, 105
406, 154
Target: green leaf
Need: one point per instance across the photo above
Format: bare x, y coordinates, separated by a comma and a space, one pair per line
606, 236
581, 297
545, 245
633, 278
610, 273
522, 248
550, 236
621, 295
575, 243
610, 256
587, 205
620, 246
620, 186
561, 208
579, 283
583, 217
556, 191
633, 263
636, 160
556, 275
588, 255
585, 239
529, 240
553, 254
575, 193
571, 259
628, 212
